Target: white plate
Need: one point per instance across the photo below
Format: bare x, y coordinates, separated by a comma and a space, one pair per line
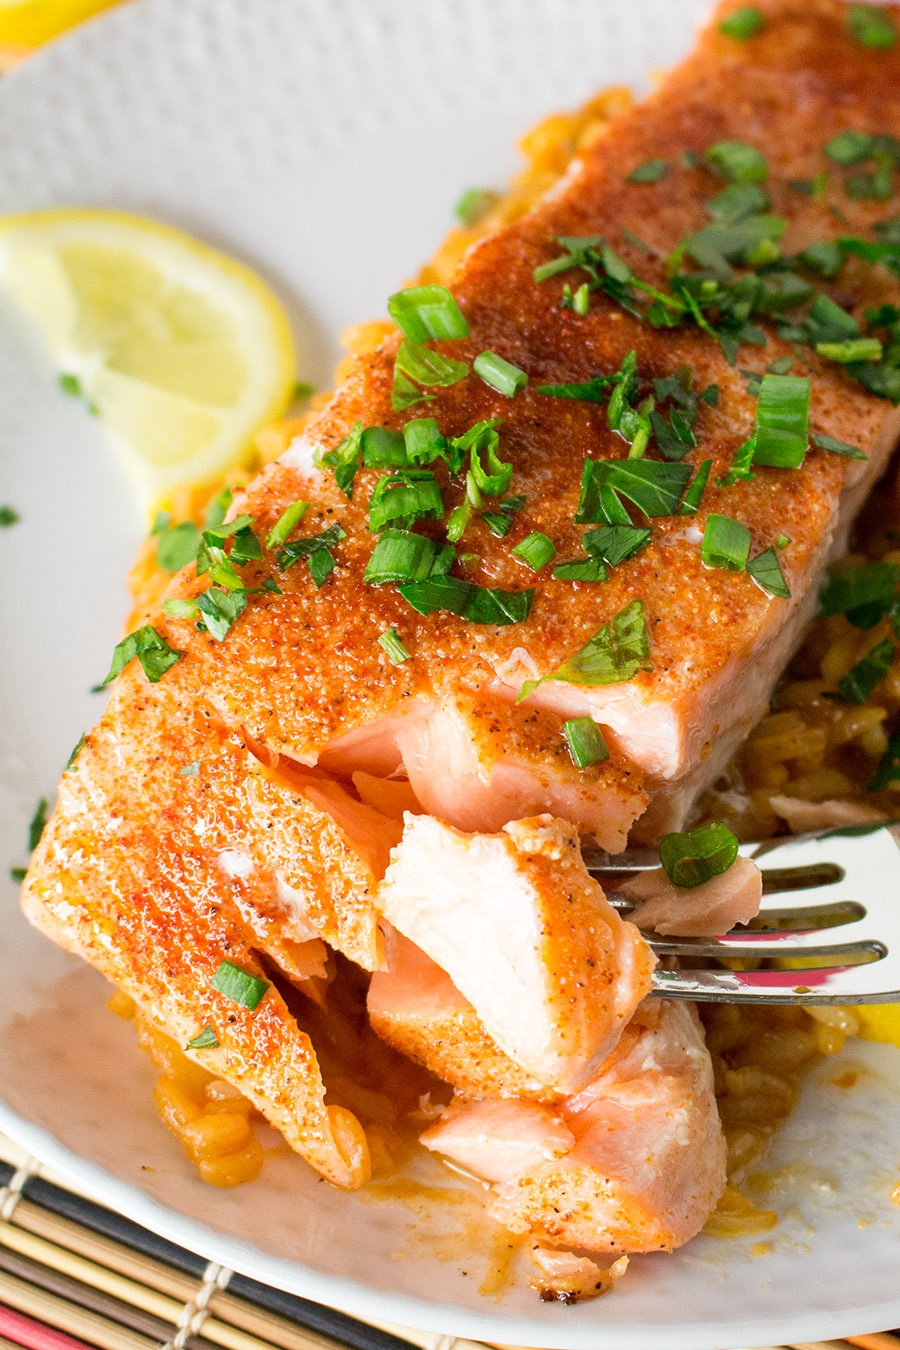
325, 141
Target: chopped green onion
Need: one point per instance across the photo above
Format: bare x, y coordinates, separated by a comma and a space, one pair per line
189, 770
615, 653
581, 569
80, 744
17, 874
239, 985
535, 550
286, 523
690, 503
726, 543
595, 390
309, 544
838, 447
765, 569
888, 770
850, 147
738, 162
616, 543
500, 374
651, 171
402, 499
180, 609
344, 459
302, 389
782, 419
854, 349
425, 312
477, 604
497, 522
867, 674
585, 741
871, 27
483, 438
398, 556
383, 449
696, 856
321, 565
153, 652
8, 516
474, 205
654, 487
392, 643
782, 540
36, 824
428, 367
742, 23
204, 1040
864, 593
220, 610
423, 441
177, 546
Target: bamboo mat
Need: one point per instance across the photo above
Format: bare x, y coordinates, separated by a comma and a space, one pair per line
74, 1275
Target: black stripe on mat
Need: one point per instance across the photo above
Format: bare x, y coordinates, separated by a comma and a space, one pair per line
313, 1316
111, 1225
6, 1173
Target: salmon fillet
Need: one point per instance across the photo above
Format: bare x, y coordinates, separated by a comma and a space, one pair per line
243, 808
526, 935
634, 1162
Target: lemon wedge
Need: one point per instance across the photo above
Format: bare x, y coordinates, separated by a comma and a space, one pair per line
182, 351
27, 23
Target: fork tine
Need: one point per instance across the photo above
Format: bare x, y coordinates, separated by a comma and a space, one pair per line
822, 985
829, 885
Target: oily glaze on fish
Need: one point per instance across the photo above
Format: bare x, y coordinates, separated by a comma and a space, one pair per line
306, 744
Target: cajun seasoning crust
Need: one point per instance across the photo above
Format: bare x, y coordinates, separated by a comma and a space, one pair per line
792, 89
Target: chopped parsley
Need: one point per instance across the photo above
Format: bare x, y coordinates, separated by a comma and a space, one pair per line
8, 516
615, 653
651, 171
152, 651
742, 23
868, 673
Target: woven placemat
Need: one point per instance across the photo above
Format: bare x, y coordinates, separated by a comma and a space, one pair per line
74, 1274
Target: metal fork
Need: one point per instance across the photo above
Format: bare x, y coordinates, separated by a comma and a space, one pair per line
833, 899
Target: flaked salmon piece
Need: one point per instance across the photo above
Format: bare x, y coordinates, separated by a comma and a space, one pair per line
648, 1160
566, 1277
415, 1007
802, 815
708, 910
501, 1141
478, 762
526, 935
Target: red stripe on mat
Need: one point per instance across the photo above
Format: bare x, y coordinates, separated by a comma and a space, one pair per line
34, 1335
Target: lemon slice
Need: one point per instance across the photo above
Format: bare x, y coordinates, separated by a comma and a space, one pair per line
30, 22
182, 351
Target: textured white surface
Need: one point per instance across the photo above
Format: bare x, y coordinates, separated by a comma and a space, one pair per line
325, 141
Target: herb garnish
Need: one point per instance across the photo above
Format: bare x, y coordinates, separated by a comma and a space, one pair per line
535, 550
654, 487
585, 742
742, 23
726, 543
615, 653
696, 856
651, 171
239, 985
153, 652
8, 516
871, 27
204, 1040
862, 679
500, 374
392, 644
864, 593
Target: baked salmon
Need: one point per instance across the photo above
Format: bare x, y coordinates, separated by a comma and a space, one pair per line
377, 629
632, 1163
